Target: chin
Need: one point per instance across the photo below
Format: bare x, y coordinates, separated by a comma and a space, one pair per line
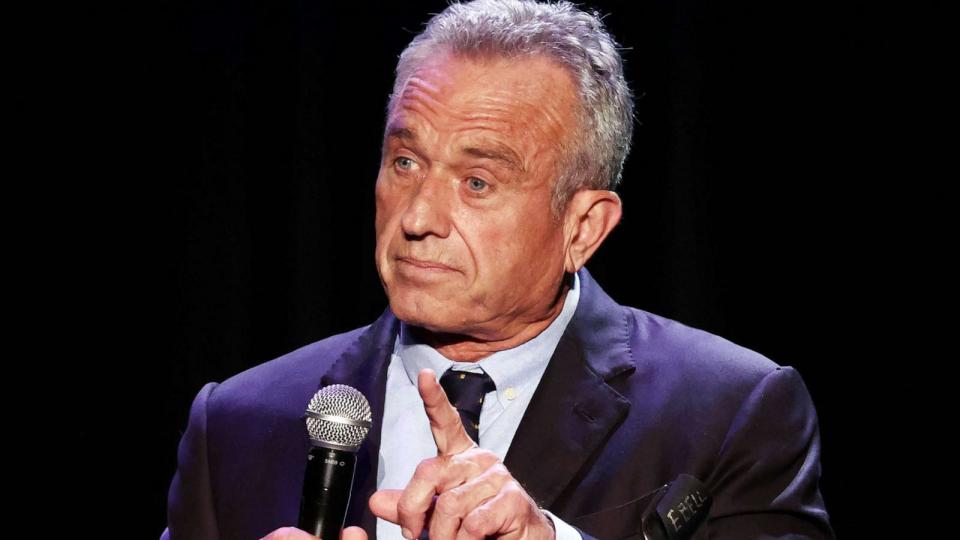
418, 309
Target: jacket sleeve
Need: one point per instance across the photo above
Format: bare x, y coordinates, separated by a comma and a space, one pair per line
190, 508
765, 484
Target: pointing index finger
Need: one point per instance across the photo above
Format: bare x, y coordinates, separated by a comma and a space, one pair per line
448, 431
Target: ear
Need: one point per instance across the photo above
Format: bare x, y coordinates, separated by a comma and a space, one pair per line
589, 217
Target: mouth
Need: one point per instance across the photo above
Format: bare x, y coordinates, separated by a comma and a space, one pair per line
424, 265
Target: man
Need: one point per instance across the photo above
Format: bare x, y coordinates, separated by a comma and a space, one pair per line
506, 132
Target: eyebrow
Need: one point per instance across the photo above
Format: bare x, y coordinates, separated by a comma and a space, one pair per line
495, 151
400, 132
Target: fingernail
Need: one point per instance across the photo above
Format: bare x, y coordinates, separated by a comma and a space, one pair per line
406, 534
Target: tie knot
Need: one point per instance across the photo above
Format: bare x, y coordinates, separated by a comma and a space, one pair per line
466, 392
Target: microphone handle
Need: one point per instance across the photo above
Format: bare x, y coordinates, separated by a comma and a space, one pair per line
326, 492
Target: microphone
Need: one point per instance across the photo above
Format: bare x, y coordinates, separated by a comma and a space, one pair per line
677, 510
338, 420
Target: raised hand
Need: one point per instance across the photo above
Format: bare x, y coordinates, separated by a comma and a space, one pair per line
463, 493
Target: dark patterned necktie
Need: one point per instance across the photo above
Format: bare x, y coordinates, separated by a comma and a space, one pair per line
465, 392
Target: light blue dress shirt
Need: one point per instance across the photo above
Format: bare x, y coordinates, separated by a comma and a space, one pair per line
405, 437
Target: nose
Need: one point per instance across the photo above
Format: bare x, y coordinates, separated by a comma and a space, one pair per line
428, 209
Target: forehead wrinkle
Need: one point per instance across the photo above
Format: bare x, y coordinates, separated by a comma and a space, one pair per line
539, 131
524, 118
481, 147
419, 96
538, 98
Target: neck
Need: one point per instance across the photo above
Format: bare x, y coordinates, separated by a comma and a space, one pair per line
465, 348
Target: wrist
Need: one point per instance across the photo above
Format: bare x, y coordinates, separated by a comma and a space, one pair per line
561, 529
545, 518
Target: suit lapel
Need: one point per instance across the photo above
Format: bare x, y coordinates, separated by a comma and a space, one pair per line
364, 366
574, 409
572, 412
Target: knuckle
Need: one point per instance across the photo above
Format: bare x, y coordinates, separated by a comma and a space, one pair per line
495, 480
476, 460
481, 455
448, 503
427, 468
499, 472
489, 456
492, 463
463, 458
513, 493
476, 523
405, 508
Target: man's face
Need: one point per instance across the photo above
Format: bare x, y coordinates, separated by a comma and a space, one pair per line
466, 241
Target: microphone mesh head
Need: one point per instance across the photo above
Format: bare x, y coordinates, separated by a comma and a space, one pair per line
345, 421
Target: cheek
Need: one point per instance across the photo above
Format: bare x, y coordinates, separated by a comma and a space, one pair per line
387, 202
385, 223
381, 216
535, 245
501, 252
519, 237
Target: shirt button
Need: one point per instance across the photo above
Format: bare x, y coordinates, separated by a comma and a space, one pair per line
510, 393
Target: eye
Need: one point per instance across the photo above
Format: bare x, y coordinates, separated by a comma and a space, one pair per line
476, 184
404, 163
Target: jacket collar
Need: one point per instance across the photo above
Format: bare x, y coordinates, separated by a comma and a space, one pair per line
364, 366
574, 408
572, 411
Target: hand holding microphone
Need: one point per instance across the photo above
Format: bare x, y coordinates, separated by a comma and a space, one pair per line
464, 491
338, 419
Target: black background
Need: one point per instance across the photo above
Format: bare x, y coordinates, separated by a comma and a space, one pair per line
227, 216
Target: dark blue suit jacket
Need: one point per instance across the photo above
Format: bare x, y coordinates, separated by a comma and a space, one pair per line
629, 401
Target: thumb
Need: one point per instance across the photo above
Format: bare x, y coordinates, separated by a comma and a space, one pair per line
383, 504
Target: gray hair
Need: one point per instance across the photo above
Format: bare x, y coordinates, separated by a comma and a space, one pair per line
577, 40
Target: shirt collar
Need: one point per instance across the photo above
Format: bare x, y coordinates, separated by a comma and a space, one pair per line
514, 371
